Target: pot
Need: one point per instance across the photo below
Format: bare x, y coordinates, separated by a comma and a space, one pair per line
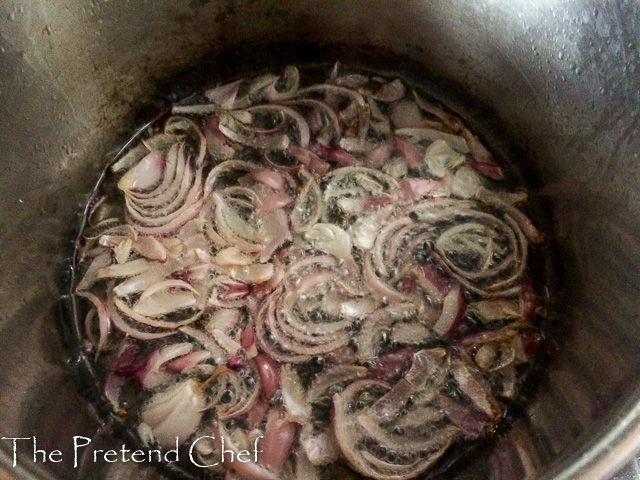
550, 84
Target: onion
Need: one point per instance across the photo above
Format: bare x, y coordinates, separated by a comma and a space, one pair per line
470, 421
452, 122
268, 177
332, 376
174, 412
350, 436
268, 371
452, 310
378, 156
128, 269
232, 256
416, 188
305, 467
341, 223
291, 80
91, 275
309, 159
145, 175
151, 375
256, 273
274, 202
218, 145
337, 155
151, 248
424, 366
391, 365
104, 318
278, 441
373, 328
298, 410
495, 309
207, 342
440, 158
241, 470
431, 135
224, 95
473, 385
309, 206
406, 114
188, 361
332, 240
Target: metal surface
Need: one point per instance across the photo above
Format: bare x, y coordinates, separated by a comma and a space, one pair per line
550, 83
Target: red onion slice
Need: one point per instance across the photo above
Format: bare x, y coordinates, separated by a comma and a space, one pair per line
268, 370
278, 441
274, 202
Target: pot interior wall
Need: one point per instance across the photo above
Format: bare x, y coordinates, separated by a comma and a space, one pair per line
549, 84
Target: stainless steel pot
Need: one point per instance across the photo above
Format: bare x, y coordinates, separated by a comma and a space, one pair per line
552, 83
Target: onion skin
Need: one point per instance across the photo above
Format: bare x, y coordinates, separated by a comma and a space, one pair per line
268, 370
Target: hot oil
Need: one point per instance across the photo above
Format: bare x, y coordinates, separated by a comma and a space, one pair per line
107, 203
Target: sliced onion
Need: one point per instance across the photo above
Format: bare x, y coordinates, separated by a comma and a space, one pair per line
190, 360
424, 366
145, 175
274, 202
309, 159
332, 240
270, 178
416, 188
278, 441
291, 80
441, 159
389, 91
256, 273
268, 371
241, 470
91, 275
128, 269
476, 388
350, 436
452, 122
330, 377
390, 366
452, 309
207, 342
337, 155
431, 135
174, 412
369, 339
309, 206
298, 410
104, 318
151, 375
224, 95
